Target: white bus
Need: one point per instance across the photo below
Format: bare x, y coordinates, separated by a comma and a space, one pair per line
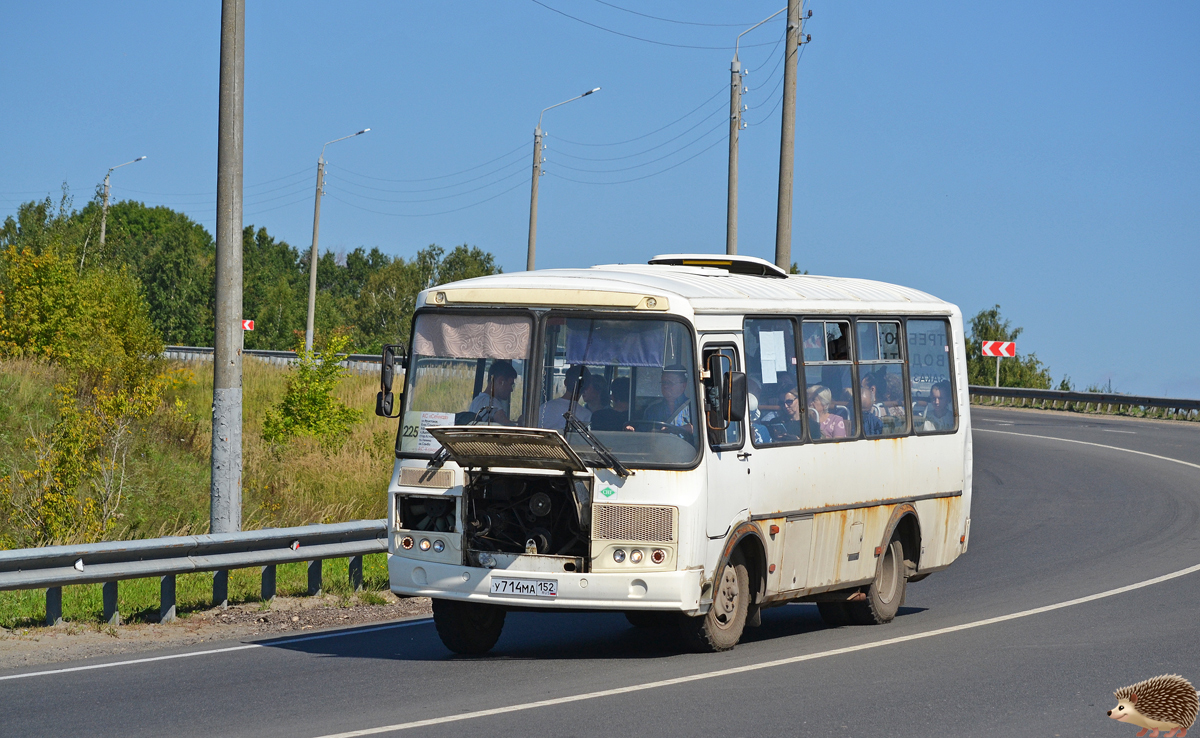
688, 442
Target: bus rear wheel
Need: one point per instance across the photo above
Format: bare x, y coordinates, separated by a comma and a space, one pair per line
468, 628
721, 628
886, 591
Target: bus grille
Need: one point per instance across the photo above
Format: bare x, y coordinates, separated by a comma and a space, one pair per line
633, 523
416, 476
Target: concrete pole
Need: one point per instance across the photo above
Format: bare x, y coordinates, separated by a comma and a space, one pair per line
104, 208
312, 266
787, 139
226, 489
735, 128
533, 197
997, 371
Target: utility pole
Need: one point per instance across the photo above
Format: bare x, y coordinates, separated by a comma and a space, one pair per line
312, 259
537, 173
226, 489
533, 196
104, 207
735, 127
787, 137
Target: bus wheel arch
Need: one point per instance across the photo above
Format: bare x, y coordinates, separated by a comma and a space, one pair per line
905, 525
746, 543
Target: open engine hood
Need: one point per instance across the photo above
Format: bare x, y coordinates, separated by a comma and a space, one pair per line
492, 446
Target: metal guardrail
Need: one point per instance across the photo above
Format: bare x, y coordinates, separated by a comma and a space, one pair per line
360, 363
52, 567
1068, 400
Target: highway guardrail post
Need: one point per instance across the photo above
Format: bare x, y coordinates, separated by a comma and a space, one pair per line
355, 568
166, 598
221, 588
112, 614
53, 606
314, 578
268, 583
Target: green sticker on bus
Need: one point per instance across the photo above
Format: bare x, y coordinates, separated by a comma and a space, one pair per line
608, 491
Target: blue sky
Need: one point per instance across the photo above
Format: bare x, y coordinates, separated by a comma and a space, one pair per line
1042, 156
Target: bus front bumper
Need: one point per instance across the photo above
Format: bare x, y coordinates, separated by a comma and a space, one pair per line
677, 591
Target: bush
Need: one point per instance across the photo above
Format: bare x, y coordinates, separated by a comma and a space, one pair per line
308, 407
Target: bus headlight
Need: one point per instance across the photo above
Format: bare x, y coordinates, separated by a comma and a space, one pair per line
635, 556
406, 542
424, 544
439, 546
658, 556
619, 555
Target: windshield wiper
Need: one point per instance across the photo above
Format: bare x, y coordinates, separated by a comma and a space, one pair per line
606, 456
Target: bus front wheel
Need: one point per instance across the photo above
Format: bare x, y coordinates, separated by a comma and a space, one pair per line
721, 628
469, 628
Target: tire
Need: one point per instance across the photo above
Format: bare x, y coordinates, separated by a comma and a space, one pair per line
886, 593
468, 628
721, 628
650, 619
835, 614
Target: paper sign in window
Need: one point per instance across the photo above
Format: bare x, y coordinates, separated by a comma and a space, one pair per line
773, 355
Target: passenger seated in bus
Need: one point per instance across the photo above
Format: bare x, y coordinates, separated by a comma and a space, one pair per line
595, 393
491, 406
552, 412
872, 425
893, 397
831, 425
939, 411
674, 409
791, 426
616, 416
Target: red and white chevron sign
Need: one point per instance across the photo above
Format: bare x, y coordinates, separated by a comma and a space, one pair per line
248, 325
999, 348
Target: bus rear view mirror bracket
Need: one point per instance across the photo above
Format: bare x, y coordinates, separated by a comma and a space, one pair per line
384, 401
725, 391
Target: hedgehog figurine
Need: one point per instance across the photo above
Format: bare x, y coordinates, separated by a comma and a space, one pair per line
1167, 702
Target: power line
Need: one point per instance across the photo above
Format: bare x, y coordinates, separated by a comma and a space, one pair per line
775, 107
776, 67
639, 38
652, 148
441, 197
440, 176
652, 161
646, 176
671, 20
426, 189
426, 215
651, 133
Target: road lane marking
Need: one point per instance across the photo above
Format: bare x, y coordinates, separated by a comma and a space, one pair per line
1097, 445
229, 649
758, 667
1110, 430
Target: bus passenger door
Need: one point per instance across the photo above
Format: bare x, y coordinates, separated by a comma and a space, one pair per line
728, 457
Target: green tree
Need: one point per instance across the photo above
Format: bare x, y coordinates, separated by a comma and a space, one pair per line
1020, 371
308, 407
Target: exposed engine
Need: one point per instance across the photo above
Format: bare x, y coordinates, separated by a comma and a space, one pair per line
534, 514
428, 513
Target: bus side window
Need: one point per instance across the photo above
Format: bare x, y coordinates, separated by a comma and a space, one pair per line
731, 437
930, 381
776, 411
880, 378
829, 380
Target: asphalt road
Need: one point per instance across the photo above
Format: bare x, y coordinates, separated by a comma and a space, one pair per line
1022, 636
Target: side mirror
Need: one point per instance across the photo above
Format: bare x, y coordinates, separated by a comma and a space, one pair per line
384, 401
735, 397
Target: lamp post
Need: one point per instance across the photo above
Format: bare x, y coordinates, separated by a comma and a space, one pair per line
104, 208
735, 127
312, 266
537, 173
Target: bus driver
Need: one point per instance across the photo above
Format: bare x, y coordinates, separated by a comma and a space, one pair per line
673, 409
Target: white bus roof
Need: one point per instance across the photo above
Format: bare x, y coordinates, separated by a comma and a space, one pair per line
687, 289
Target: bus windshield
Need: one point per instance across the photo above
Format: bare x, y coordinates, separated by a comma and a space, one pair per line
465, 369
632, 382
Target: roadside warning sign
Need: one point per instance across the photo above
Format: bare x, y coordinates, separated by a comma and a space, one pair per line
247, 325
999, 348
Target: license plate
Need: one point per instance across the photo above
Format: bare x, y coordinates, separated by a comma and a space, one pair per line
525, 587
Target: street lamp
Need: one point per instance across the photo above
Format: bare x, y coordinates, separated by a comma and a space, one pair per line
537, 173
735, 127
104, 209
312, 267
